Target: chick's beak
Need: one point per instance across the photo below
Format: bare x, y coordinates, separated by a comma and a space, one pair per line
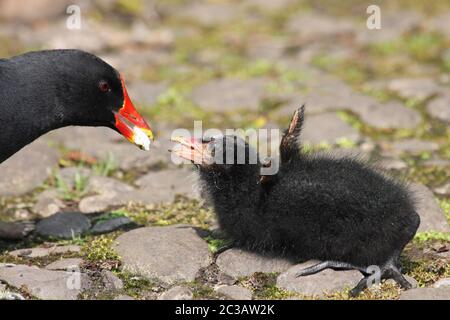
192, 150
131, 124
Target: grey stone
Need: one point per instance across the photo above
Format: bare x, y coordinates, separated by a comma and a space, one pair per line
238, 263
266, 48
269, 5
327, 127
337, 97
327, 281
177, 293
235, 292
105, 144
132, 61
14, 230
92, 39
445, 282
43, 252
392, 27
64, 225
111, 281
412, 281
439, 108
413, 146
432, 217
8, 295
65, 264
392, 164
155, 187
157, 156
17, 178
105, 184
37, 11
123, 297
419, 88
143, 34
100, 203
110, 225
439, 23
44, 284
167, 253
209, 14
314, 26
442, 293
443, 190
437, 162
225, 279
85, 138
167, 183
389, 115
146, 93
48, 203
229, 94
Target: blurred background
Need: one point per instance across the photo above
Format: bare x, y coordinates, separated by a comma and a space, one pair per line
382, 93
242, 64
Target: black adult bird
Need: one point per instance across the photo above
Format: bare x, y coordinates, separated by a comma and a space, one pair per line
341, 212
46, 90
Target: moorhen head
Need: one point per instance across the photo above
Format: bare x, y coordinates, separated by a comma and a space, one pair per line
45, 90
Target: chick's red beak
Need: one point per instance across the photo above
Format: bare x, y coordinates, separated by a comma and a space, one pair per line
131, 124
192, 150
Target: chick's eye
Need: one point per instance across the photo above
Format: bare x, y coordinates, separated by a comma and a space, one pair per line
104, 86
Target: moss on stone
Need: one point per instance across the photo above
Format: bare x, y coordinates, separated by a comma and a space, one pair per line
100, 250
181, 211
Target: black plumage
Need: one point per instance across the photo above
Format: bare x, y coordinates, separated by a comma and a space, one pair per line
340, 211
45, 90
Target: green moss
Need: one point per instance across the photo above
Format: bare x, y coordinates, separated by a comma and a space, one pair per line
100, 250
445, 205
420, 46
422, 237
106, 167
41, 262
322, 146
110, 215
71, 193
387, 290
351, 119
424, 47
132, 7
139, 287
431, 175
263, 286
181, 211
426, 271
202, 291
215, 244
272, 292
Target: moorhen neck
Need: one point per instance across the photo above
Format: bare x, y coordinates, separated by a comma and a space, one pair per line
45, 90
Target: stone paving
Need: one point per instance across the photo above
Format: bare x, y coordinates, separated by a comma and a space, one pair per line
134, 225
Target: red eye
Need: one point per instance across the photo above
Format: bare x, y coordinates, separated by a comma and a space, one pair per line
104, 86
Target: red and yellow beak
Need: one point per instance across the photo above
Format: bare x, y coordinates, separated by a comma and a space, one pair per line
131, 124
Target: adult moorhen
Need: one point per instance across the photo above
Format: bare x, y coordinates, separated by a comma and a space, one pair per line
45, 90
342, 212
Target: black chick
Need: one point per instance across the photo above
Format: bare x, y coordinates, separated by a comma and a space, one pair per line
341, 212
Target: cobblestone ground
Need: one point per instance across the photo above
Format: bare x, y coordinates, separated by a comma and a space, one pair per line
78, 197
